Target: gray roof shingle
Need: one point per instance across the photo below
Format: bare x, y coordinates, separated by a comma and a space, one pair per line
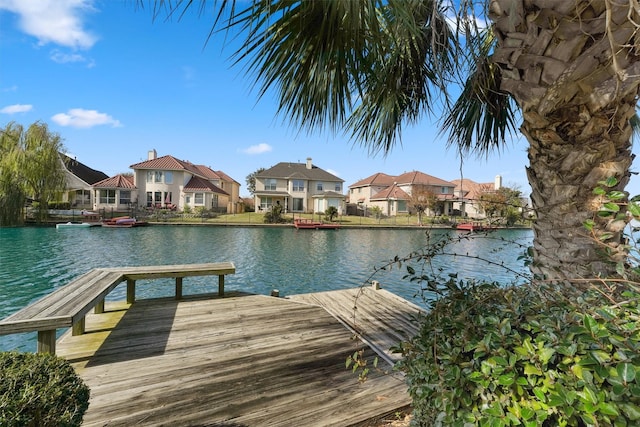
286, 170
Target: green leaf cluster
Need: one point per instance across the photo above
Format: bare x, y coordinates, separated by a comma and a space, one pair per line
490, 355
40, 390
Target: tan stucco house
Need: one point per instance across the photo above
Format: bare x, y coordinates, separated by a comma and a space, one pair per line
167, 182
392, 194
298, 187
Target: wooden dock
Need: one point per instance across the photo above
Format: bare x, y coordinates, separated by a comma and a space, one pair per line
241, 360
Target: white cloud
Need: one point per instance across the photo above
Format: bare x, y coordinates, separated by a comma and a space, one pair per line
16, 108
81, 118
54, 21
258, 149
63, 58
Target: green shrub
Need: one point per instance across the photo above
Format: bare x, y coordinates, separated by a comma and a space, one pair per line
274, 216
40, 390
490, 355
330, 213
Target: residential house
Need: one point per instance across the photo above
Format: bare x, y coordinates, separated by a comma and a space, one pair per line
79, 183
468, 195
167, 182
392, 194
298, 187
231, 187
117, 193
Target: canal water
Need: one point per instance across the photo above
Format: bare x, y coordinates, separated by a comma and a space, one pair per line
36, 260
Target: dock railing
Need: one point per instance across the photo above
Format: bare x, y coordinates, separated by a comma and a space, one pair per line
67, 306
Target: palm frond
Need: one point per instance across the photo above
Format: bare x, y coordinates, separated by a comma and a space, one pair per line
405, 74
483, 115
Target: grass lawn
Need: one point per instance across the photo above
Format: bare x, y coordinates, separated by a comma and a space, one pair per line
258, 218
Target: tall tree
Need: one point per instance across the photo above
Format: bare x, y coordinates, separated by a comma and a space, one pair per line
34, 163
566, 69
251, 180
422, 199
12, 195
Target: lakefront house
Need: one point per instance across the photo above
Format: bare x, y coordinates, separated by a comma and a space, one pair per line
298, 187
79, 181
392, 193
170, 183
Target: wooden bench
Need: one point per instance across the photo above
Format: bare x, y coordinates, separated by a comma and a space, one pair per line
67, 306
63, 308
179, 271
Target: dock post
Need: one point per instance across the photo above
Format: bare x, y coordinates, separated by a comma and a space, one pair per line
78, 327
99, 308
47, 341
178, 287
221, 285
131, 291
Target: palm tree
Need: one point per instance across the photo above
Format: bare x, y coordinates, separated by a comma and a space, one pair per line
567, 69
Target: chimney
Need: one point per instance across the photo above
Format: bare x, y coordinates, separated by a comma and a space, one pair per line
309, 164
152, 155
497, 184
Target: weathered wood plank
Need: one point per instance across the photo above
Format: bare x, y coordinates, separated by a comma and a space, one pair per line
63, 307
250, 360
379, 317
177, 270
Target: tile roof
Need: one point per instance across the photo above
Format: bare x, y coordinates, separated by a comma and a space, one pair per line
197, 183
421, 178
82, 171
118, 181
375, 179
226, 177
285, 170
167, 163
207, 172
472, 190
391, 192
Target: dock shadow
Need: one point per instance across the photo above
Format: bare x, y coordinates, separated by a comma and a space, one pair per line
142, 332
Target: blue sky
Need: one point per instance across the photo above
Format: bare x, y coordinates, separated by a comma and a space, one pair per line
114, 84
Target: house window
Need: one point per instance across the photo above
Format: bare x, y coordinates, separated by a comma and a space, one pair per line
270, 184
445, 190
149, 199
149, 176
125, 197
158, 176
338, 187
298, 185
168, 177
298, 204
198, 199
214, 201
319, 186
402, 205
157, 198
108, 197
266, 202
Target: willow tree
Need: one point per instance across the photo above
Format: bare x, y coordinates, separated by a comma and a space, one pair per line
12, 195
566, 69
30, 166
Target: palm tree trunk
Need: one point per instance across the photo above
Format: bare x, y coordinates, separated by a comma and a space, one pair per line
572, 67
569, 153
